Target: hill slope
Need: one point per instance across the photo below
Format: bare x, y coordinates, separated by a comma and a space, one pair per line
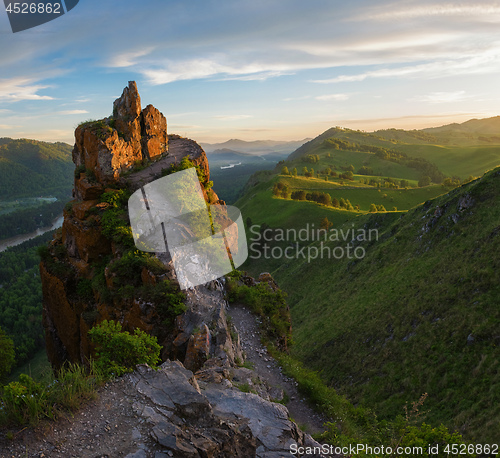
418, 314
458, 150
30, 168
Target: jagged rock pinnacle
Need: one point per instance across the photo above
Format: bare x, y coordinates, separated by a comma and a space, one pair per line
128, 106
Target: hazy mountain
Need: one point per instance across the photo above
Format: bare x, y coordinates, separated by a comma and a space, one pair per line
255, 147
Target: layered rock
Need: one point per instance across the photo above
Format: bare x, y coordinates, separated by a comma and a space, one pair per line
206, 415
123, 152
113, 145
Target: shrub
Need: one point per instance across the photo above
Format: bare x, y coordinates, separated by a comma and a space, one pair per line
114, 220
168, 298
119, 352
79, 170
26, 401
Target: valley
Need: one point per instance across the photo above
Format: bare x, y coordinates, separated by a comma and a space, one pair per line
419, 312
415, 317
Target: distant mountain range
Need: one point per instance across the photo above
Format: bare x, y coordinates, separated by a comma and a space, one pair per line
259, 147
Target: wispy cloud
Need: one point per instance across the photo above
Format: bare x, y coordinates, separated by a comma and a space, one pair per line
441, 97
17, 89
330, 97
72, 112
485, 63
486, 11
221, 67
129, 58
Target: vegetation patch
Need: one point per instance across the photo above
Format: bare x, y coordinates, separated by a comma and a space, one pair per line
360, 425
270, 305
118, 352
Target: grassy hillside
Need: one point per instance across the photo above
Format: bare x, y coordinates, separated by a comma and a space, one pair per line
229, 182
419, 313
457, 150
31, 168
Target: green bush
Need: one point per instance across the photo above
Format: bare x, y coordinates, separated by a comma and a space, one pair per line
168, 298
187, 164
129, 267
84, 290
27, 402
114, 220
79, 170
119, 352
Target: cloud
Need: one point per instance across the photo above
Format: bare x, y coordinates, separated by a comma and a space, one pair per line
488, 62
330, 97
441, 97
257, 130
7, 126
129, 58
485, 11
243, 42
72, 112
17, 89
220, 66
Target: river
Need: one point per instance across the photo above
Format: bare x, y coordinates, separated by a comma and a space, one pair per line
18, 239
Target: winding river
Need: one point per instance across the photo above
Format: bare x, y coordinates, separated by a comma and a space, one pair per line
18, 239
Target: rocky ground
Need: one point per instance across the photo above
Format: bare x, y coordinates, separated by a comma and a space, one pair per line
152, 414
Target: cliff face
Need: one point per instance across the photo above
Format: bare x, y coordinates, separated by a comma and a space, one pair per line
93, 271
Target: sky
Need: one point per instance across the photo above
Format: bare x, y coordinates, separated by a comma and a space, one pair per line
254, 69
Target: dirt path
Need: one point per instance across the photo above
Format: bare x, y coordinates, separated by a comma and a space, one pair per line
267, 368
106, 427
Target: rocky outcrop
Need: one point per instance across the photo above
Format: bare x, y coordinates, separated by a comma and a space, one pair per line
113, 145
206, 415
192, 406
80, 287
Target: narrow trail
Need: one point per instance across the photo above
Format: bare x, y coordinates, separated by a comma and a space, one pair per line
268, 369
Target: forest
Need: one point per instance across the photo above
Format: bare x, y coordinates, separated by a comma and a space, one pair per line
33, 168
21, 297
